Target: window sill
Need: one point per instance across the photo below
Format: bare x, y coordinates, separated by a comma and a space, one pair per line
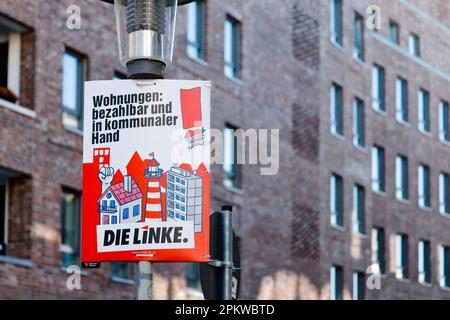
379, 193
337, 228
194, 292
403, 280
380, 112
235, 80
360, 62
123, 280
444, 142
445, 214
338, 136
360, 235
360, 148
426, 284
73, 130
426, 209
17, 261
337, 44
198, 60
445, 288
403, 201
426, 133
17, 108
232, 189
402, 123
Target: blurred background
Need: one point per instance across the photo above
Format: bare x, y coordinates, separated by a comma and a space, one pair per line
359, 208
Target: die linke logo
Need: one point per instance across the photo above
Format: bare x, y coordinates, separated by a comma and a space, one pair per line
138, 203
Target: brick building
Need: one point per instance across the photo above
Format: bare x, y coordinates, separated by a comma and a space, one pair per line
364, 134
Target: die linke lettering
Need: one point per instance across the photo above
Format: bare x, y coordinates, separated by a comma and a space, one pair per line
137, 236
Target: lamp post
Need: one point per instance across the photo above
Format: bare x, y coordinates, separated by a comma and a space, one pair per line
145, 35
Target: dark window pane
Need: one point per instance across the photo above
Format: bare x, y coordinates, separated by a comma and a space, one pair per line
3, 222
70, 228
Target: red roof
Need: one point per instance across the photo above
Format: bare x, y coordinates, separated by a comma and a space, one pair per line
152, 163
121, 195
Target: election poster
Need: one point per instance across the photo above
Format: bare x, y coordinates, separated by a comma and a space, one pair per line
146, 171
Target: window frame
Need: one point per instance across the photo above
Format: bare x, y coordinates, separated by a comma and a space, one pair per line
64, 247
401, 256
423, 111
379, 248
235, 64
378, 169
337, 110
424, 261
336, 200
401, 100
402, 178
337, 22
336, 282
358, 285
444, 193
444, 266
359, 41
232, 180
199, 45
4, 183
80, 79
424, 186
414, 45
444, 121
359, 123
359, 209
378, 88
394, 26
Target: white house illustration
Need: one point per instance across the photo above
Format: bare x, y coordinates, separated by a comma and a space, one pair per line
121, 203
184, 197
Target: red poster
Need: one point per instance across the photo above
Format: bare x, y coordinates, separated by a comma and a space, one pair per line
146, 177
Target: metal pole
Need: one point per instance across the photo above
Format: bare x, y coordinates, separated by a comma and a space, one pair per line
152, 13
227, 233
144, 281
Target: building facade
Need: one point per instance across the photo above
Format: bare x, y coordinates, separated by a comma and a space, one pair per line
363, 121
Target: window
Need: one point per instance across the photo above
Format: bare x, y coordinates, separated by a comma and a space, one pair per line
72, 89
358, 210
10, 57
232, 48
192, 276
358, 123
196, 18
336, 112
336, 201
424, 110
444, 133
424, 263
358, 285
401, 259
136, 210
401, 100
231, 168
126, 213
401, 178
70, 228
121, 270
378, 171
394, 32
113, 220
359, 37
444, 207
336, 283
336, 21
378, 96
414, 45
3, 216
424, 186
378, 249
444, 266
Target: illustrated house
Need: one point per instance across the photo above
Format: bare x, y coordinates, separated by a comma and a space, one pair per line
121, 203
184, 197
